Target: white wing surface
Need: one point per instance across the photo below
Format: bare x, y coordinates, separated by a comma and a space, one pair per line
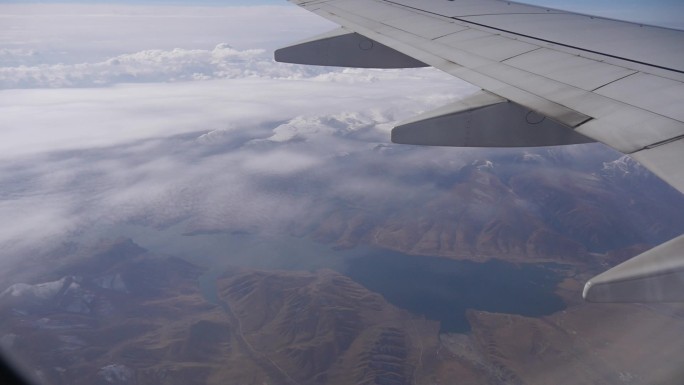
549, 77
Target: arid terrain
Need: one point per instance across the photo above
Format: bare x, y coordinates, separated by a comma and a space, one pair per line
126, 316
525, 208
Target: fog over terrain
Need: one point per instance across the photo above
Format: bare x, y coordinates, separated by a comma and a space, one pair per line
131, 135
105, 151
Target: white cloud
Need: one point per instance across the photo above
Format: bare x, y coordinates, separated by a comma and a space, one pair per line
222, 62
278, 162
41, 120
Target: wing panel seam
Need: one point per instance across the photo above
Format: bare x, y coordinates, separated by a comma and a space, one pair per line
541, 39
658, 144
572, 46
499, 14
520, 54
616, 80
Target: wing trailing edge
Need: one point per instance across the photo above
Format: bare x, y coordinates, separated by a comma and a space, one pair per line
342, 48
485, 120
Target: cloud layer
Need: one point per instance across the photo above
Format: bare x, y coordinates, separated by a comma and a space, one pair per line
222, 62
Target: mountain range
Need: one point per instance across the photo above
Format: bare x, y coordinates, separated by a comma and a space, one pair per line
123, 315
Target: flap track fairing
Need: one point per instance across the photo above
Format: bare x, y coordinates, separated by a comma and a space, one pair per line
341, 48
485, 120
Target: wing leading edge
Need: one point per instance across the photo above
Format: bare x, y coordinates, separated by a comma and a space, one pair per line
550, 77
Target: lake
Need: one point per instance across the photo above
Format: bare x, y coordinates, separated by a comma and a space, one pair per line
443, 289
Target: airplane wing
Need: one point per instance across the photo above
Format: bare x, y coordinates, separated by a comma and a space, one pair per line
548, 77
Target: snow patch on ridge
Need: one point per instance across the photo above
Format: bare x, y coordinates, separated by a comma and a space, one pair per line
43, 291
116, 374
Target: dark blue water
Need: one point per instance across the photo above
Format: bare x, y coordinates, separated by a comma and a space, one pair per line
443, 289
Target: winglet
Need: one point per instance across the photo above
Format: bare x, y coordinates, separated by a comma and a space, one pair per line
654, 276
485, 120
